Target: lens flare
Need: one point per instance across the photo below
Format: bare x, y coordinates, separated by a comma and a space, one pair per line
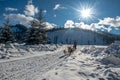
86, 13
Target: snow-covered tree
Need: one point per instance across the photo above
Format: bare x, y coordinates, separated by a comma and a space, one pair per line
36, 36
37, 33
6, 35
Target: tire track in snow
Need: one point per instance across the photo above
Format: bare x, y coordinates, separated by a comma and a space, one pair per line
28, 69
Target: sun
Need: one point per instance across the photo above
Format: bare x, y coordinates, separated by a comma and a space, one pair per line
86, 13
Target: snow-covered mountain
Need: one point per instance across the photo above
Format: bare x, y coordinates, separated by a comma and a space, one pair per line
84, 37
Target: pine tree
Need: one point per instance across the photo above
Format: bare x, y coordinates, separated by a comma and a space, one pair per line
36, 36
37, 33
6, 35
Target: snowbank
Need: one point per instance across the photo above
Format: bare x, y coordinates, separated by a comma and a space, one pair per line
93, 50
111, 59
18, 50
109, 55
114, 49
113, 54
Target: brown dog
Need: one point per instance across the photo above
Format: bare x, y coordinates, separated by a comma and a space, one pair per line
69, 51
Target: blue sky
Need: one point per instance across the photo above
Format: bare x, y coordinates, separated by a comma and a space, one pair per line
66, 11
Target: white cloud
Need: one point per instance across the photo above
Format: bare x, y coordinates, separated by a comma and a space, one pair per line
58, 6
93, 26
69, 24
45, 11
49, 25
19, 19
82, 25
25, 19
115, 22
100, 26
11, 9
72, 24
30, 9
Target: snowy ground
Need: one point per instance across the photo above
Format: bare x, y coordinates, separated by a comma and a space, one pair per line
86, 63
28, 66
20, 50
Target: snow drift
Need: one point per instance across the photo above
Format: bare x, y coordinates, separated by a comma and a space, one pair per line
113, 54
109, 55
19, 50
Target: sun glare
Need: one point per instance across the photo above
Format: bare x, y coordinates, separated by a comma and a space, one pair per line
86, 13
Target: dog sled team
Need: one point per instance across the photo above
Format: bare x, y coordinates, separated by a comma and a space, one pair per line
70, 49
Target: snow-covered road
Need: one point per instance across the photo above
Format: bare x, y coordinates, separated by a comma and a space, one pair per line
83, 64
29, 67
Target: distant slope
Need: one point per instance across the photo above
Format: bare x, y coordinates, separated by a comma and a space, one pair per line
84, 37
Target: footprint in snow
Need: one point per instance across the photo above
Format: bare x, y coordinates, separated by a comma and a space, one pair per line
101, 79
73, 58
44, 79
94, 75
56, 73
73, 69
82, 73
60, 64
56, 68
98, 67
81, 61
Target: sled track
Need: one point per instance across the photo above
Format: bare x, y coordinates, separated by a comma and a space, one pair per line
29, 68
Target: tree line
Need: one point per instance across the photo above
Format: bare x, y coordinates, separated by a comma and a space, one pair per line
36, 34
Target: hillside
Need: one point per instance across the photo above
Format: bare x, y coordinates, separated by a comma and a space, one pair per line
84, 37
